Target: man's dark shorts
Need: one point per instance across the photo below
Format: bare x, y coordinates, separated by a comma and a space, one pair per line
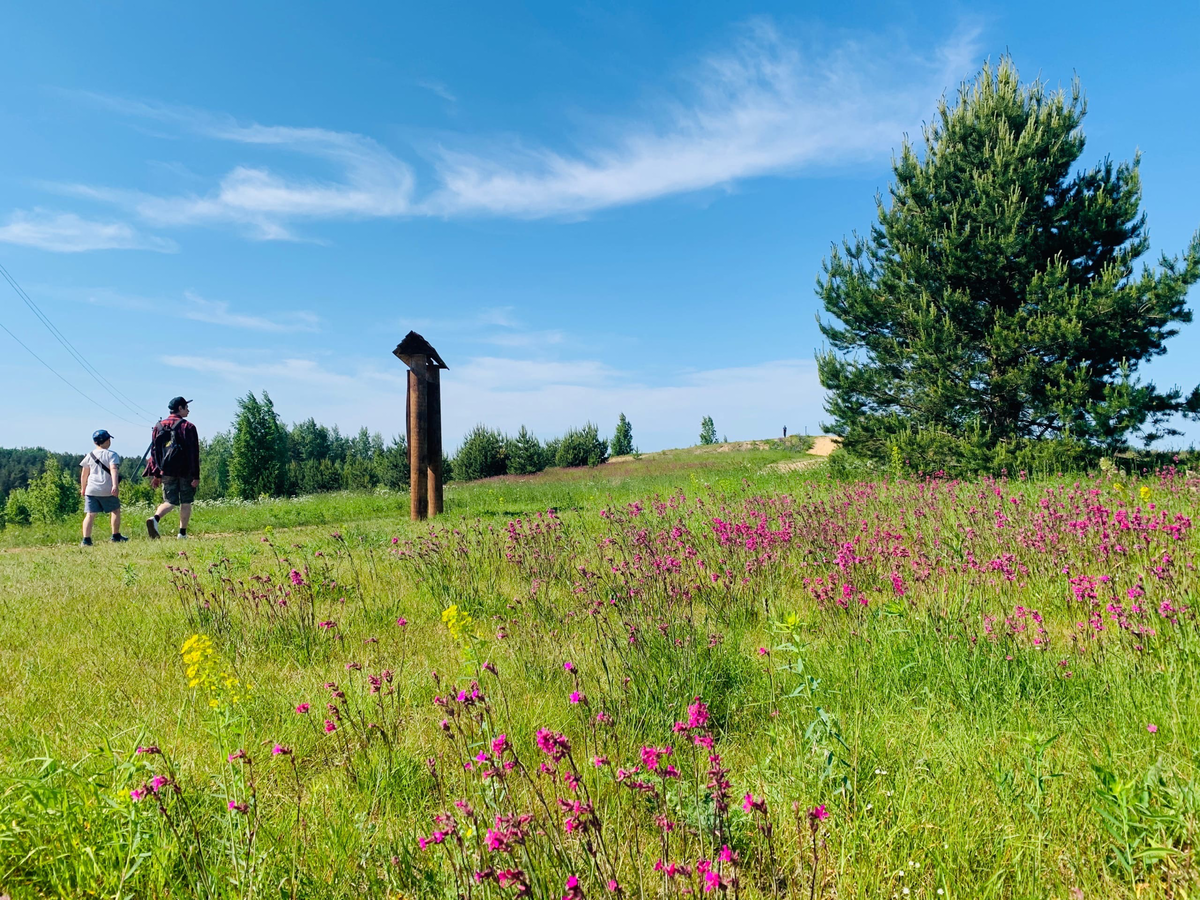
109, 504
178, 490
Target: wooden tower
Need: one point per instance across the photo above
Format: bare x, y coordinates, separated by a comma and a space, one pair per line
423, 423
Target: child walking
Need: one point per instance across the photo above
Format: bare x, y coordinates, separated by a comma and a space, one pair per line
98, 485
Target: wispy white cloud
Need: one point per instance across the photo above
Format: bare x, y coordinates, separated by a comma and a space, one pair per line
190, 305
69, 233
435, 86
766, 105
497, 326
303, 374
218, 312
373, 182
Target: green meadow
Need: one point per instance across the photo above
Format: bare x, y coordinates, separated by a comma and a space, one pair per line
694, 672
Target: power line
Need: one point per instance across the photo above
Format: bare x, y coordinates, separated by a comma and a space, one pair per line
120, 397
67, 382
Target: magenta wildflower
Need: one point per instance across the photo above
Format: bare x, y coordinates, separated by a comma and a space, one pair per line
157, 782
280, 750
330, 727
574, 891
749, 804
553, 744
402, 621
1152, 728
137, 794
301, 708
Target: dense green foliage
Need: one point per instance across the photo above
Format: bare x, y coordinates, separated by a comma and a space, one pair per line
20, 466
259, 454
622, 439
581, 447
708, 431
526, 455
483, 454
49, 497
994, 306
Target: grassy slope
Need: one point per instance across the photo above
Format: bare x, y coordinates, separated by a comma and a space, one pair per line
945, 765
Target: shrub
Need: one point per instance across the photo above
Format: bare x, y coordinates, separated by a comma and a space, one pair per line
482, 455
929, 450
16, 508
53, 495
582, 447
526, 455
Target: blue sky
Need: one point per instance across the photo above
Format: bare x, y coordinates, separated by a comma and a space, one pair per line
587, 207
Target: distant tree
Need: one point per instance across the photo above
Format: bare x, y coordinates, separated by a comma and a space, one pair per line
482, 455
622, 439
215, 457
359, 472
995, 303
54, 494
582, 447
392, 465
525, 454
708, 431
255, 460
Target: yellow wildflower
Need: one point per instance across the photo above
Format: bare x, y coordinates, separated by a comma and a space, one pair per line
458, 622
1144, 493
204, 671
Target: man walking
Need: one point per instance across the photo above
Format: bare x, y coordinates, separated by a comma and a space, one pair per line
98, 485
175, 464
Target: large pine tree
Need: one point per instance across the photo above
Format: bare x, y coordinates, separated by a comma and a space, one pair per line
995, 304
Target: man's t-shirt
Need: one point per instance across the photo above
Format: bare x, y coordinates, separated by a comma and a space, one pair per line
100, 482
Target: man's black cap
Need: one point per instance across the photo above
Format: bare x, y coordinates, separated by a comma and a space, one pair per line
178, 402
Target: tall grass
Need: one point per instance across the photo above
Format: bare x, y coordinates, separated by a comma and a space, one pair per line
694, 675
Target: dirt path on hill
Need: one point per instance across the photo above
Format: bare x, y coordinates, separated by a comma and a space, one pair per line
822, 446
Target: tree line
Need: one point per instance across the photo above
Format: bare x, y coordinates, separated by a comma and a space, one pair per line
260, 456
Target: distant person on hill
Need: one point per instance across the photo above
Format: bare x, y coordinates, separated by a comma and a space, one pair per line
174, 462
98, 483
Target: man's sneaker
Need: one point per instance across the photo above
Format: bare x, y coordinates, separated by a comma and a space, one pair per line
152, 527
118, 539
86, 542
182, 536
